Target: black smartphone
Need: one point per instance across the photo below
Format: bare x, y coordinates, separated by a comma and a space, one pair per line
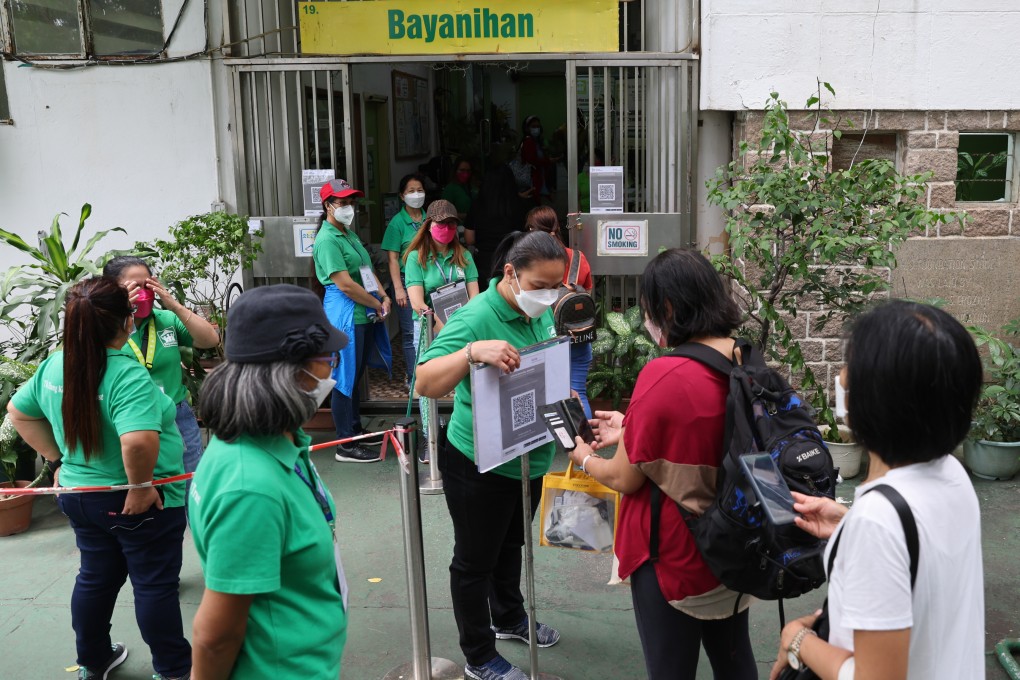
770, 487
575, 412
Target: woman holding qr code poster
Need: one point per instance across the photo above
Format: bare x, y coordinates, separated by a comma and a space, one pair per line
486, 508
672, 435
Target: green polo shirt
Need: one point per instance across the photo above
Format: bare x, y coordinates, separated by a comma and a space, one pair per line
430, 277
489, 317
170, 335
459, 195
399, 234
128, 402
259, 530
335, 251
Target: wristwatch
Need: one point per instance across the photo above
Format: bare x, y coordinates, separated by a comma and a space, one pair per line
793, 652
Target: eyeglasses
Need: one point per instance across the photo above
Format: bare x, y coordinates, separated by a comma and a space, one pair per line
332, 359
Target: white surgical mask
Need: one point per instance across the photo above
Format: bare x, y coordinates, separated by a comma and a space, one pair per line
654, 331
415, 199
344, 214
535, 131
321, 389
534, 302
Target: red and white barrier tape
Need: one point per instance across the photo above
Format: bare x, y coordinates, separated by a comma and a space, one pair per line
53, 490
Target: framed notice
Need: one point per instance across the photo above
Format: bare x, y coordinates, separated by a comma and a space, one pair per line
411, 104
623, 238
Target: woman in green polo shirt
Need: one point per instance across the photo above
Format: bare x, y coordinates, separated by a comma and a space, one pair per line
485, 574
459, 191
157, 341
264, 523
93, 411
434, 260
350, 291
399, 233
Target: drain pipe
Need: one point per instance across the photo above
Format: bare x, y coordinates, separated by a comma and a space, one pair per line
1005, 651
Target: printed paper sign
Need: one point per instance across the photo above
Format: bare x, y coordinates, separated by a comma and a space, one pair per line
606, 188
623, 238
311, 183
304, 239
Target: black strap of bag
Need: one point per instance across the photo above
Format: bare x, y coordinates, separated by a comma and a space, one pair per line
909, 530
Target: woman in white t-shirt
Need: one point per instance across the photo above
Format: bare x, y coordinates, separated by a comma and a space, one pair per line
913, 375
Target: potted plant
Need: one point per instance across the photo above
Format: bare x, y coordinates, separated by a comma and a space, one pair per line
803, 235
992, 451
621, 349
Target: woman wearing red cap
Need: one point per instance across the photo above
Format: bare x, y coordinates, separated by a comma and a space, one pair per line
353, 299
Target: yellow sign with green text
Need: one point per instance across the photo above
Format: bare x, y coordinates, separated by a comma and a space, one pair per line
459, 26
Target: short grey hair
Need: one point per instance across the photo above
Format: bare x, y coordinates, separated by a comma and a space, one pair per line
254, 399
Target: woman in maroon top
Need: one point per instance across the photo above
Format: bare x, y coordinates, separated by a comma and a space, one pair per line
672, 435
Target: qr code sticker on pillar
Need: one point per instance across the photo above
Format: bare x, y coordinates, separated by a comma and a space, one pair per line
607, 192
523, 408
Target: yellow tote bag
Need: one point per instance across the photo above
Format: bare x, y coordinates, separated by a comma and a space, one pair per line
577, 512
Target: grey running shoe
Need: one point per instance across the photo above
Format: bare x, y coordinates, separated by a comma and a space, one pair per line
356, 454
118, 653
160, 676
497, 669
546, 636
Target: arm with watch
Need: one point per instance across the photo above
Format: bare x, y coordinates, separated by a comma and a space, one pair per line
356, 292
436, 377
877, 655
617, 472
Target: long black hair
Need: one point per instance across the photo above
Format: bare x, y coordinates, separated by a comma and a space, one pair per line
522, 249
115, 267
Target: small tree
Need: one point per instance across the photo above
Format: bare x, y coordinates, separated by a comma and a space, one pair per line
801, 233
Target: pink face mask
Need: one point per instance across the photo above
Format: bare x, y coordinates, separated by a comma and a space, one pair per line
463, 176
143, 303
443, 233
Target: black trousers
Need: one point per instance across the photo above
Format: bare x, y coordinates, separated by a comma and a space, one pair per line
488, 530
671, 640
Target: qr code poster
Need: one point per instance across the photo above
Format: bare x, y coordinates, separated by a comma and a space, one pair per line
606, 189
521, 393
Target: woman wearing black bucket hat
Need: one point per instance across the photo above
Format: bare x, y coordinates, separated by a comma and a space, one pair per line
262, 520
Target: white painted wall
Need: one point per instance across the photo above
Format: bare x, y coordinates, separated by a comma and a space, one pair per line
137, 142
880, 54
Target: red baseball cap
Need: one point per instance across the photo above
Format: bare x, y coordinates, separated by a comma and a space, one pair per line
338, 188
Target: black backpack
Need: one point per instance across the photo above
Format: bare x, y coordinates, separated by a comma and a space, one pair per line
574, 311
737, 541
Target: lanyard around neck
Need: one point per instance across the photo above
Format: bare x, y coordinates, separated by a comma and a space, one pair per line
150, 346
317, 491
446, 278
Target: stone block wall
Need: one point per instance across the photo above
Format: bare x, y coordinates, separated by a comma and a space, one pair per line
926, 141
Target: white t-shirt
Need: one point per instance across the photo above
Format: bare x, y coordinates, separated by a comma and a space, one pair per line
869, 588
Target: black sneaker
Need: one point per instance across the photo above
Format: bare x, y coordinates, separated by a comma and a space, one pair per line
374, 439
119, 653
497, 669
544, 635
356, 454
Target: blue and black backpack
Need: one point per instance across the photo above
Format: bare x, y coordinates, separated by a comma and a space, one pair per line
739, 544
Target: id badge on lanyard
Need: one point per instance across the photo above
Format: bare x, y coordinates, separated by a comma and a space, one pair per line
320, 497
368, 281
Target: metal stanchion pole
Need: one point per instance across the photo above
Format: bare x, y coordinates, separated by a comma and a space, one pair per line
422, 666
529, 571
431, 483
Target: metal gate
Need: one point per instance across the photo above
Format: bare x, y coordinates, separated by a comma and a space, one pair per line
643, 114
288, 117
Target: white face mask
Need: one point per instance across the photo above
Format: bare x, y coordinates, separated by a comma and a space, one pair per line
534, 302
321, 389
344, 214
654, 331
415, 199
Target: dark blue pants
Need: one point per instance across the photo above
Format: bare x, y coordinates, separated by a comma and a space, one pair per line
347, 410
405, 315
113, 546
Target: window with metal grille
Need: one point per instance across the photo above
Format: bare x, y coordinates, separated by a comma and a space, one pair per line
86, 28
984, 167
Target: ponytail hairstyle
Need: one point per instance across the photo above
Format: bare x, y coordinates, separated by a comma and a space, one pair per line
97, 311
115, 267
523, 249
543, 218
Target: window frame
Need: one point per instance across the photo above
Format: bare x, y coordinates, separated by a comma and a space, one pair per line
1012, 179
4, 99
85, 37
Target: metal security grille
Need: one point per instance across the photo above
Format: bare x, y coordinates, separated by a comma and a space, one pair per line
288, 118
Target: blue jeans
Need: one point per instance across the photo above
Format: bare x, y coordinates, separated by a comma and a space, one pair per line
347, 410
113, 546
407, 335
192, 435
580, 362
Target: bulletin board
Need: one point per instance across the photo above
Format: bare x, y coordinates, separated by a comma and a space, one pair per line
411, 104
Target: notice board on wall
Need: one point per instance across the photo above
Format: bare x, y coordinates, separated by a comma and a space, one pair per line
411, 103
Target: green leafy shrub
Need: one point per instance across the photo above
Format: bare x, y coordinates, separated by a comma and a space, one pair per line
997, 416
621, 349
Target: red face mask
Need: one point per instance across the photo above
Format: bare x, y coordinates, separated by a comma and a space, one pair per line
463, 176
143, 303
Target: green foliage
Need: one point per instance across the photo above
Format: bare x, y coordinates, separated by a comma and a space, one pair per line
12, 447
801, 233
997, 416
621, 349
202, 256
32, 295
973, 169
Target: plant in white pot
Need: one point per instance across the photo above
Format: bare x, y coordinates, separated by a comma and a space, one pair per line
992, 451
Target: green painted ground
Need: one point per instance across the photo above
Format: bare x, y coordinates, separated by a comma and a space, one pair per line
599, 638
